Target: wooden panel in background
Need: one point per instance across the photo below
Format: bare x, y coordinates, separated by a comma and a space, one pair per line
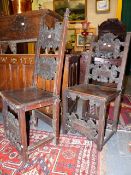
16, 72
25, 25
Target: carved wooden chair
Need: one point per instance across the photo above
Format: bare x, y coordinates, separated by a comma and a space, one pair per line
48, 67
103, 84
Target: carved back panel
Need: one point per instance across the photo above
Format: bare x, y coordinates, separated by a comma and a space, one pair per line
50, 54
112, 25
108, 61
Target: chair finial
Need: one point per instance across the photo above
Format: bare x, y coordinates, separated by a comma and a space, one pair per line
67, 12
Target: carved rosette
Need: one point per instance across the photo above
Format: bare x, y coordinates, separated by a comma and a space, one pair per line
46, 68
21, 25
108, 47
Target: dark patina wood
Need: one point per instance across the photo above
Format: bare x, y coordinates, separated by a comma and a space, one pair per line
25, 25
70, 77
16, 103
16, 72
103, 84
114, 26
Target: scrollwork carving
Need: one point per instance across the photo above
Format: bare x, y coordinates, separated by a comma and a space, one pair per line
12, 130
87, 127
106, 59
84, 124
50, 38
105, 73
46, 68
108, 46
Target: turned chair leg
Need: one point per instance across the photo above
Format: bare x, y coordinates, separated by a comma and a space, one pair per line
101, 126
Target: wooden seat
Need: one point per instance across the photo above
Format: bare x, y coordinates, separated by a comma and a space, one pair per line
49, 60
28, 96
106, 93
103, 84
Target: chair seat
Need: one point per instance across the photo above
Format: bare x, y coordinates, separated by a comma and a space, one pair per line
102, 92
27, 96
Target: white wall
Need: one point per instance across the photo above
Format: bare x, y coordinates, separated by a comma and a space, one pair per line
92, 16
45, 4
98, 18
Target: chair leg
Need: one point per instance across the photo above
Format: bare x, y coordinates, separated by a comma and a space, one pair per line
116, 112
4, 113
64, 113
23, 134
101, 126
34, 120
55, 122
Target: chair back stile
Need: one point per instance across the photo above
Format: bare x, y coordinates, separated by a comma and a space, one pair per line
124, 61
88, 57
58, 79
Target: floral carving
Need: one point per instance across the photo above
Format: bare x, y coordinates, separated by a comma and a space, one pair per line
47, 68
50, 38
12, 131
108, 46
107, 53
104, 73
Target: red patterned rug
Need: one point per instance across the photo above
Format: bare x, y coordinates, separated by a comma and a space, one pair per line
74, 155
125, 113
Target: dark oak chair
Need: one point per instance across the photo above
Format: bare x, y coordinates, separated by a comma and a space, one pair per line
49, 60
103, 84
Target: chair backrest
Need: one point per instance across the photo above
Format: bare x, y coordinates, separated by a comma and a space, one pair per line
49, 58
107, 61
112, 25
